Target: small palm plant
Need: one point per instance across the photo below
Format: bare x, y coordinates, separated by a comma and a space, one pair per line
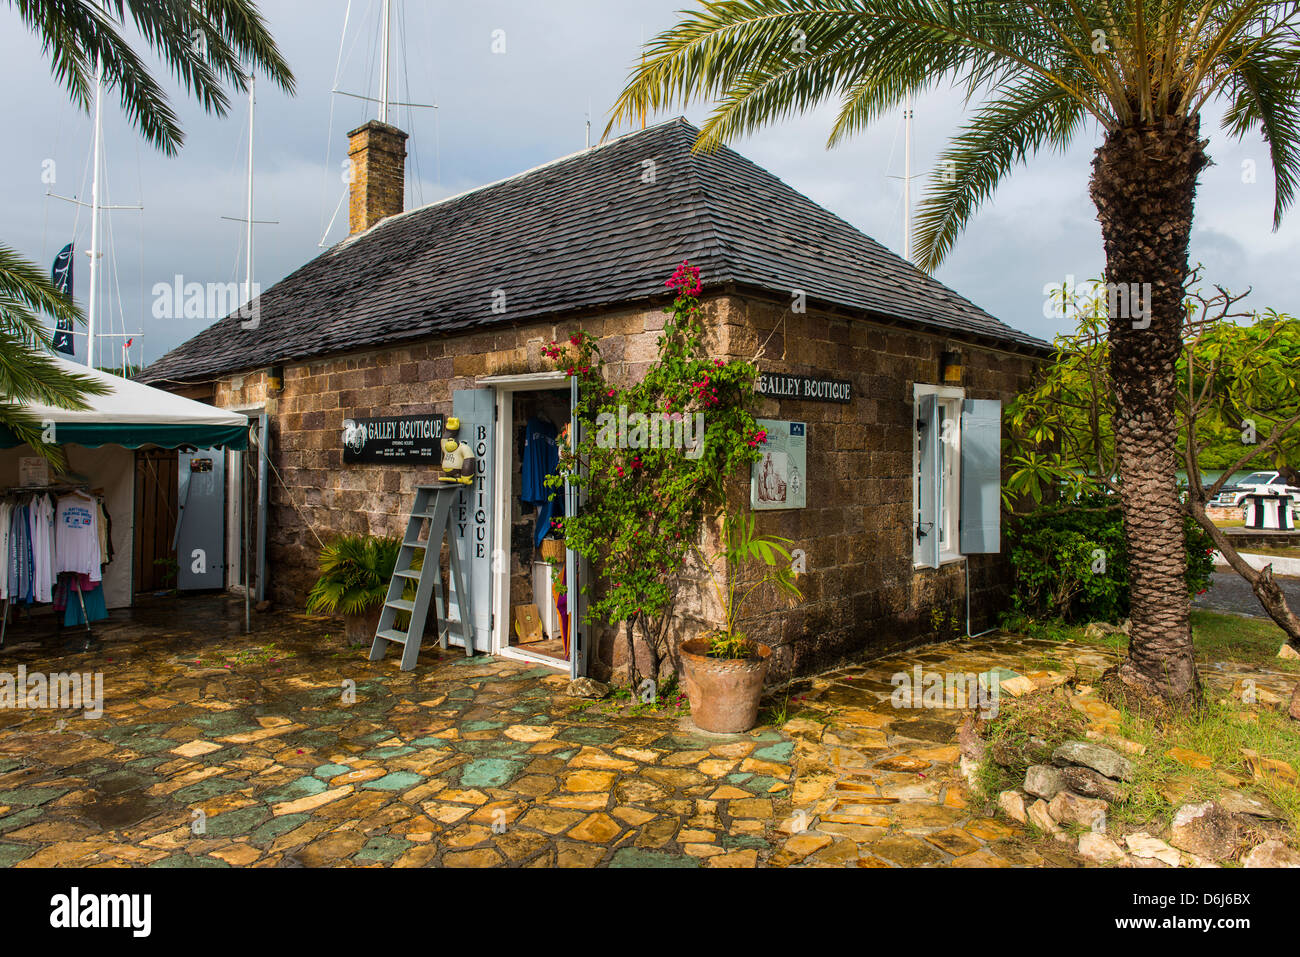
354, 574
742, 545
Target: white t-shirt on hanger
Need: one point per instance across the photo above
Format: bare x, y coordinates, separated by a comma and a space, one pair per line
76, 535
43, 574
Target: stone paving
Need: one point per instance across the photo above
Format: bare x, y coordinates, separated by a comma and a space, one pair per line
461, 762
879, 786
285, 749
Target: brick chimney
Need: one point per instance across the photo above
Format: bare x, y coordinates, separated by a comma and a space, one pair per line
378, 154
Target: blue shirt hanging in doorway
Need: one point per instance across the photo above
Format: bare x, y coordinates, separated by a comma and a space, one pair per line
541, 458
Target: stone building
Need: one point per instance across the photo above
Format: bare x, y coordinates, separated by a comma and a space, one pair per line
891, 380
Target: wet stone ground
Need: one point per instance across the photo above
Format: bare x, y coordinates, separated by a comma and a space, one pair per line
283, 749
218, 749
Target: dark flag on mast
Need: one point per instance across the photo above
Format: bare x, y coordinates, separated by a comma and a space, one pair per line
61, 275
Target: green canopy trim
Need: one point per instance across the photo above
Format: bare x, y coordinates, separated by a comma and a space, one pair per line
133, 435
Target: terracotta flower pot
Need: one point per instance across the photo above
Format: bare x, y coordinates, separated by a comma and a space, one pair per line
360, 629
723, 692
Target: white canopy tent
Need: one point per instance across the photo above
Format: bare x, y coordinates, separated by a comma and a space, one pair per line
133, 415
98, 443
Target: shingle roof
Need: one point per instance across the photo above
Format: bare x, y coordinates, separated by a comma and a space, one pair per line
597, 228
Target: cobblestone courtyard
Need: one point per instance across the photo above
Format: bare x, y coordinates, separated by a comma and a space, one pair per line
219, 749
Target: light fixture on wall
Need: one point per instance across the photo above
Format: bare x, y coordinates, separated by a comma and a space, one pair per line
950, 366
275, 380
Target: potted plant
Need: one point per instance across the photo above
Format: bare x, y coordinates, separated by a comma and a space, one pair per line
723, 669
354, 574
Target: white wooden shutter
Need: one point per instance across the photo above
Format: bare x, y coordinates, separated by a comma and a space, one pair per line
981, 477
930, 462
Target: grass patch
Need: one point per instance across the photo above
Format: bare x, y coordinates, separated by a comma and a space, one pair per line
1217, 637
1025, 732
1221, 732
1028, 729
668, 701
263, 655
780, 712
1220, 637
1272, 551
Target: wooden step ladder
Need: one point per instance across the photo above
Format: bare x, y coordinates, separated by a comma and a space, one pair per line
433, 504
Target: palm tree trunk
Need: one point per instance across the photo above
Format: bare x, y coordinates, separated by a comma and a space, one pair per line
1144, 186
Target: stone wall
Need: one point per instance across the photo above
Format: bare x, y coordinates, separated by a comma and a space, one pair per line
861, 591
315, 497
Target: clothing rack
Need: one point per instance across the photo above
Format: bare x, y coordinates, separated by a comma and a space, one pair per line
62, 488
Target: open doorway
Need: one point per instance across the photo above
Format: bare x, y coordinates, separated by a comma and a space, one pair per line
538, 620
154, 554
518, 512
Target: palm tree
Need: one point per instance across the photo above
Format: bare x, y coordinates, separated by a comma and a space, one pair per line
205, 46
1143, 70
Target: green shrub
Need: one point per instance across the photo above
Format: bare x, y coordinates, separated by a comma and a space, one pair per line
355, 572
1070, 562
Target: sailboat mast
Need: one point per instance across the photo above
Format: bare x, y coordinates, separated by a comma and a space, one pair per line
91, 313
386, 29
907, 179
248, 268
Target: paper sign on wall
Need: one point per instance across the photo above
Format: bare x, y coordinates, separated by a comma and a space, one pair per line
33, 471
779, 479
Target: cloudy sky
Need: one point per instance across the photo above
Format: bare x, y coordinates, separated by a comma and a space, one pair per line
503, 112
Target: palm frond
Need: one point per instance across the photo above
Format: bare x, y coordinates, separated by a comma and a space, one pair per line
355, 571
24, 291
28, 375
1127, 63
1002, 134
1264, 94
204, 44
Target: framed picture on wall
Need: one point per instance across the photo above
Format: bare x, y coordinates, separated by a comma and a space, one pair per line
779, 479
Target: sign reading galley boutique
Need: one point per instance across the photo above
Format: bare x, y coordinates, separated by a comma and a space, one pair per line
401, 438
779, 479
779, 385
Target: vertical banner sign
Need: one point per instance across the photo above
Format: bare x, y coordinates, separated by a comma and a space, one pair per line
61, 276
471, 515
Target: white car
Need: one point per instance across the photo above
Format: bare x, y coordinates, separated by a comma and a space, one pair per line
1272, 483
